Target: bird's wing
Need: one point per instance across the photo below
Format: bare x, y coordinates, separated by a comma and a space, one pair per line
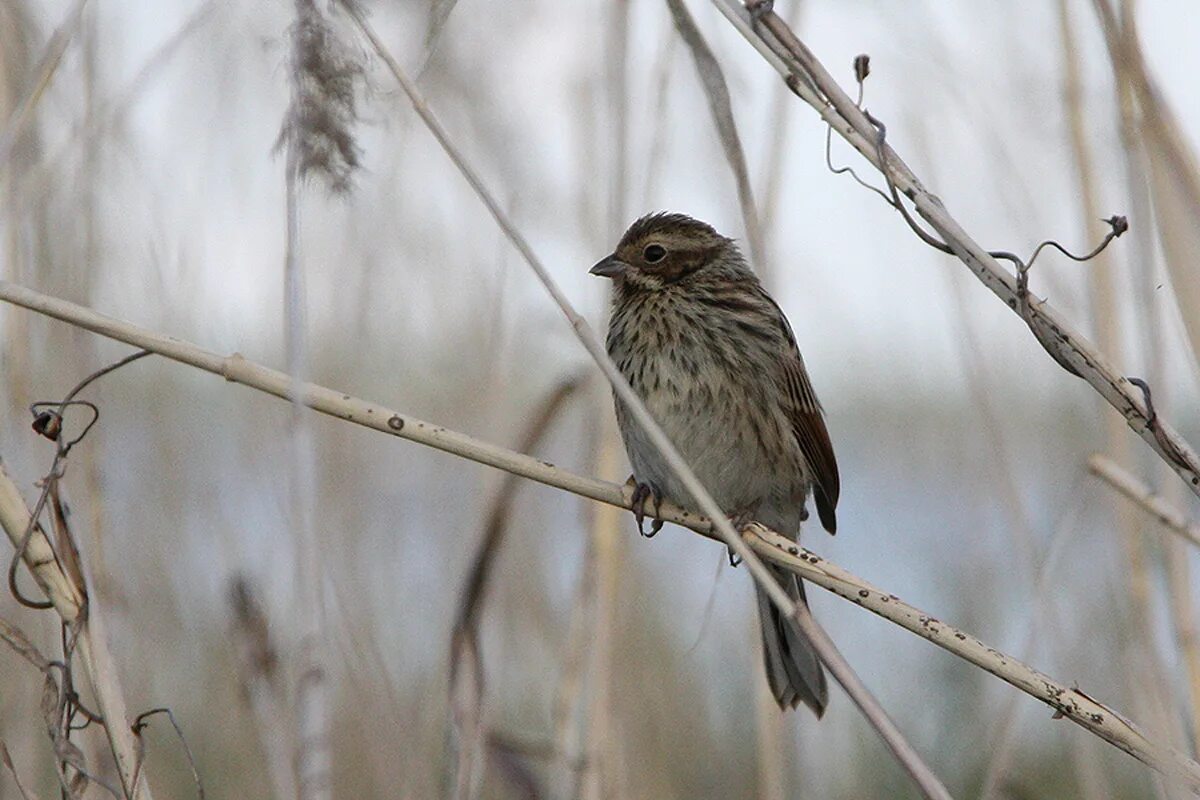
808, 426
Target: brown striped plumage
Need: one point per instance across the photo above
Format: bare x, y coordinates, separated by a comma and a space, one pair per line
715, 361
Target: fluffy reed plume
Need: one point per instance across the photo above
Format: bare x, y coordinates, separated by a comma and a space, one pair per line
318, 127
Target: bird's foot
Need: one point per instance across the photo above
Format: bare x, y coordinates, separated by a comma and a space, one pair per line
641, 493
740, 520
759, 8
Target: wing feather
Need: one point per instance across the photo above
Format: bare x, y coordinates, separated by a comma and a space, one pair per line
808, 426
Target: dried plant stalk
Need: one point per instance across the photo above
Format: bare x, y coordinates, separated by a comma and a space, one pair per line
928, 783
93, 646
809, 79
1071, 703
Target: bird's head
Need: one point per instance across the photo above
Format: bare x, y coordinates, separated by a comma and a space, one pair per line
664, 249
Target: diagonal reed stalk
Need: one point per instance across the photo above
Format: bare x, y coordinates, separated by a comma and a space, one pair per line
927, 782
810, 81
1072, 703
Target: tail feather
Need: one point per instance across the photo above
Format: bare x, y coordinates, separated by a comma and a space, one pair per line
794, 670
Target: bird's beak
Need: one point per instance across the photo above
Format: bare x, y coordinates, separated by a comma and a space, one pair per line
609, 267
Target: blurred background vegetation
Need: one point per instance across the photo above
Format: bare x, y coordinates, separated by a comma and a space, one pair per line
145, 183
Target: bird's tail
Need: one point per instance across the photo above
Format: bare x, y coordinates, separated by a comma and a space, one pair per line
794, 671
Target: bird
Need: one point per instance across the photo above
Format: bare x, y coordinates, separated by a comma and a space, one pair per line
714, 359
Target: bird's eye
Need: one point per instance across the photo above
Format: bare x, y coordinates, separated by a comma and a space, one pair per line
654, 253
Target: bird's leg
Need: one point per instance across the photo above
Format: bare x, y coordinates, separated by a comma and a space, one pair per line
740, 519
642, 492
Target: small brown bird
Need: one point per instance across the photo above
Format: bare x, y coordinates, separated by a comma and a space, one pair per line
715, 361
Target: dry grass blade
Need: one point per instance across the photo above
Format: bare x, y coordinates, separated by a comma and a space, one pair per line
6, 759
721, 106
811, 81
439, 15
57, 707
39, 555
15, 638
467, 681
44, 71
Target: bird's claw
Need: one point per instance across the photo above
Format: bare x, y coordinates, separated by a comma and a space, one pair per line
641, 493
740, 520
759, 8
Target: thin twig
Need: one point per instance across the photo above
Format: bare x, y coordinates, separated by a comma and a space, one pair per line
140, 723
1071, 703
49, 422
809, 79
583, 331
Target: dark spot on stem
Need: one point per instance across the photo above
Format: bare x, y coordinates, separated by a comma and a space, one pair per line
396, 423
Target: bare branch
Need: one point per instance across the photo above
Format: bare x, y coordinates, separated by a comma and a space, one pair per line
1071, 703
809, 79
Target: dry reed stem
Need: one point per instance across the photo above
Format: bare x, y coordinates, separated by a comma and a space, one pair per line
1071, 703
809, 79
928, 783
1174, 173
93, 646
1161, 167
1147, 679
1145, 498
601, 778
1188, 531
